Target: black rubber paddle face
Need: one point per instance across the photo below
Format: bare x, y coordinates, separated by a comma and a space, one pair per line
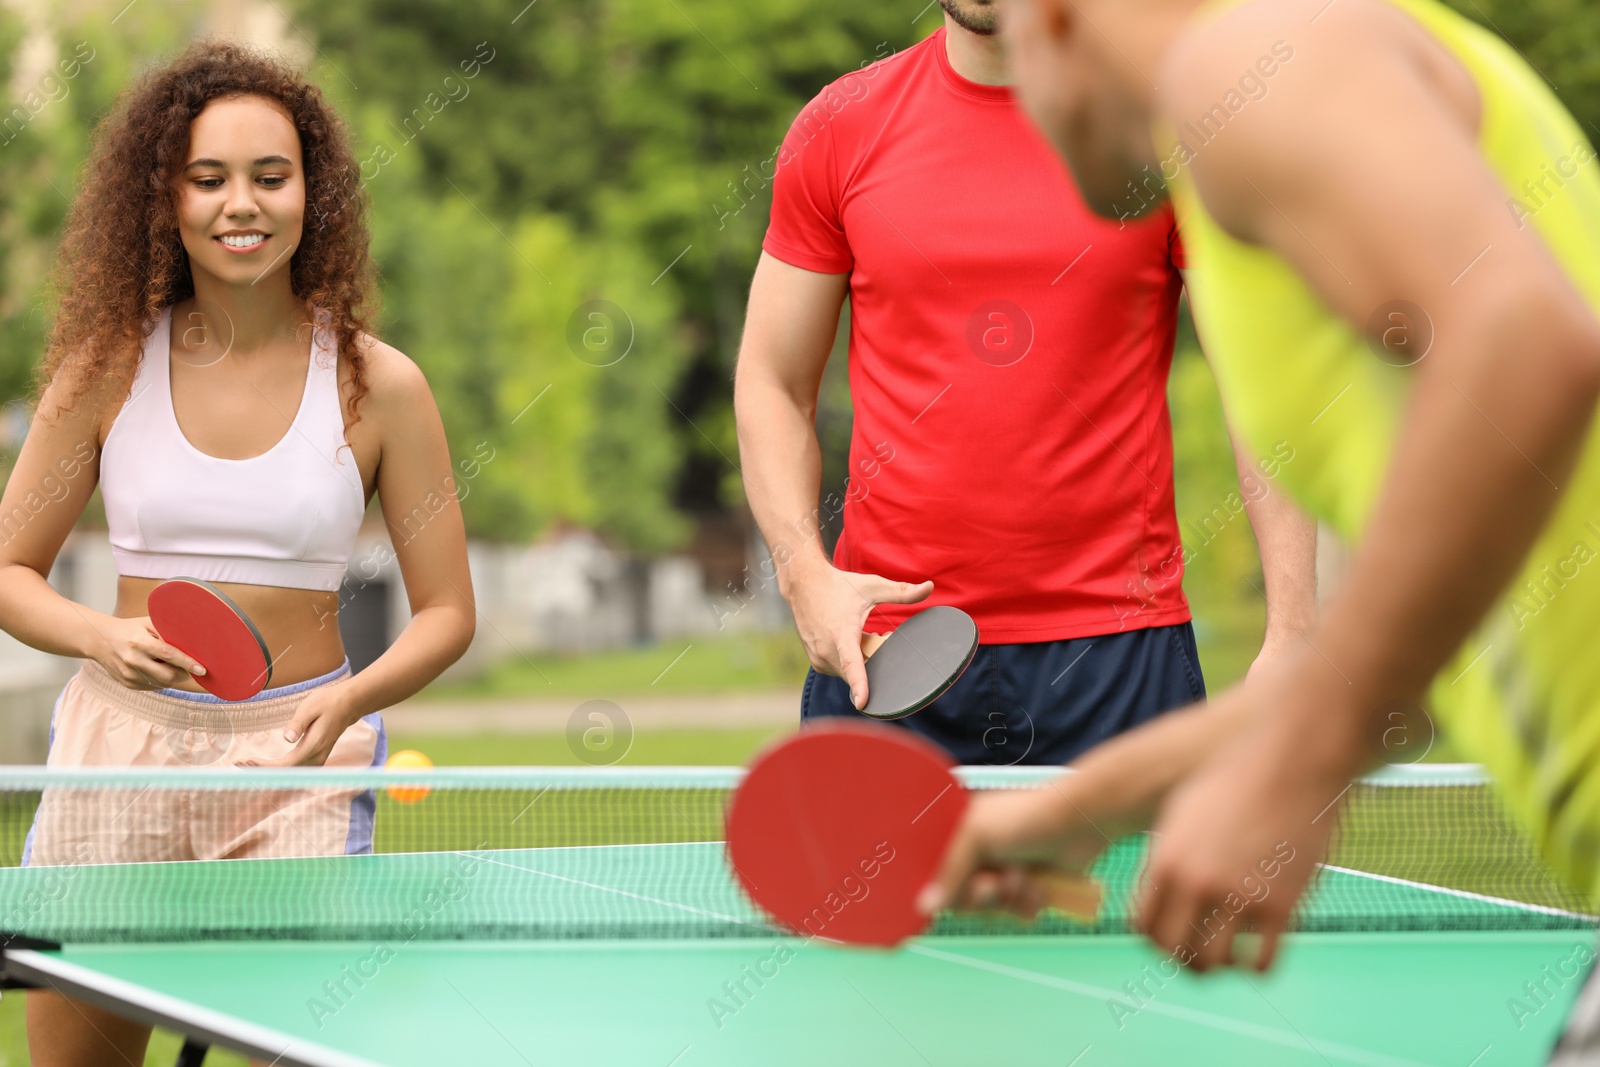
917, 663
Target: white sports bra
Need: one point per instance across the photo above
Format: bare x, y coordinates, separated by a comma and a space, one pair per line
287, 517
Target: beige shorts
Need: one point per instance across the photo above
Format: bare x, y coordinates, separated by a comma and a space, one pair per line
99, 722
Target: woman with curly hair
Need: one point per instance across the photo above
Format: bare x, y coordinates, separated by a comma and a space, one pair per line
212, 370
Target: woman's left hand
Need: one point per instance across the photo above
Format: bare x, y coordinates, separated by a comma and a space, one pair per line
318, 723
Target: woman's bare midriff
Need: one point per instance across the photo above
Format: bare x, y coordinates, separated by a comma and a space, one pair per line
300, 626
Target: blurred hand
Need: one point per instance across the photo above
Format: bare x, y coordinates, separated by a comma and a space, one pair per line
1239, 841
1277, 646
134, 654
317, 725
830, 608
1011, 843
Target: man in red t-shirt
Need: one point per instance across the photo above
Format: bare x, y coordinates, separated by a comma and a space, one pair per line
1011, 451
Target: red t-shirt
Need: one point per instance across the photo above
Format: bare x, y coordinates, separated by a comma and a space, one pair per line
1009, 353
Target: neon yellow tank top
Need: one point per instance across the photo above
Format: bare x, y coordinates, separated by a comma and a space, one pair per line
1522, 695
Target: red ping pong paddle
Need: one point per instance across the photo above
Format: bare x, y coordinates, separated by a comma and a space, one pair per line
198, 619
919, 662
835, 831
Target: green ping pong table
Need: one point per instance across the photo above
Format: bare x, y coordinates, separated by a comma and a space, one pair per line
1381, 999
648, 954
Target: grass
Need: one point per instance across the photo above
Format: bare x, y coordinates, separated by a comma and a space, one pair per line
707, 747
722, 663
563, 818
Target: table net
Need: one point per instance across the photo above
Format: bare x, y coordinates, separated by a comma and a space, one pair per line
113, 854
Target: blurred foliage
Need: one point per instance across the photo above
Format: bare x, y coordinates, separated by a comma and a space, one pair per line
1222, 572
633, 139
1559, 38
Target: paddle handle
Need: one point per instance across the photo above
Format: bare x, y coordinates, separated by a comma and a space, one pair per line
1079, 895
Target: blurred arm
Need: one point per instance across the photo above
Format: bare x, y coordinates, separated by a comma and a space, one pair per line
1350, 194
1286, 539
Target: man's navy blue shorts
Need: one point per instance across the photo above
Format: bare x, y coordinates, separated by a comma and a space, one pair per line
1046, 702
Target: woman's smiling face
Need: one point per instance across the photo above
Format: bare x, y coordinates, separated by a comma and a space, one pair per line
241, 196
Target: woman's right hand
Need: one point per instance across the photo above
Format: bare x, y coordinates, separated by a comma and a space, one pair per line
133, 653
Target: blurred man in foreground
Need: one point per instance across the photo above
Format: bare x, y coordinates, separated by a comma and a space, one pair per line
1391, 224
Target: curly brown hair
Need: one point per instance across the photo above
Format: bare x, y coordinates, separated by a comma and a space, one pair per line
121, 260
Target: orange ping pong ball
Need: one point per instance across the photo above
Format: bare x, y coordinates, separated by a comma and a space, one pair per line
408, 759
